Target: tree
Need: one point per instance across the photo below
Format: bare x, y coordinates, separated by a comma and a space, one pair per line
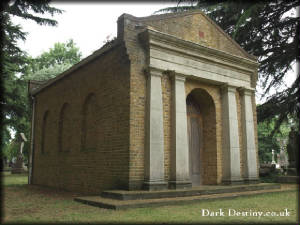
270, 31
44, 67
11, 150
14, 61
53, 62
267, 141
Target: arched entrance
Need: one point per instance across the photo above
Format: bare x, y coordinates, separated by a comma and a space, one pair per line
195, 134
201, 124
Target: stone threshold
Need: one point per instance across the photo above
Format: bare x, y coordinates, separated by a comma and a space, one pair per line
147, 199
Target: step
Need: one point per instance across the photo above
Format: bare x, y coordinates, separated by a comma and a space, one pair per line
201, 190
140, 203
288, 179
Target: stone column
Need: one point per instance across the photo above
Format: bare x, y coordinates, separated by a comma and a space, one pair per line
180, 177
250, 160
154, 149
231, 149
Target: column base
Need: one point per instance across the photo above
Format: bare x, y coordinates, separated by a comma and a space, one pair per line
155, 185
180, 184
233, 182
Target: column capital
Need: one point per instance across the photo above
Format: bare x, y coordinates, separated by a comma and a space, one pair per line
178, 77
228, 88
175, 76
151, 71
246, 91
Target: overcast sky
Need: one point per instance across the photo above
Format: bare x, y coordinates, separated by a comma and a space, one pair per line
89, 25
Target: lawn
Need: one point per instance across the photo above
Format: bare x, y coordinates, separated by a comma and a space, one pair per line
29, 203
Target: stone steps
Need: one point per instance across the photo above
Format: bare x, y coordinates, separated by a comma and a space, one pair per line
202, 190
119, 199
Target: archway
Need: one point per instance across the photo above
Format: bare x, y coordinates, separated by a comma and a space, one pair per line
201, 119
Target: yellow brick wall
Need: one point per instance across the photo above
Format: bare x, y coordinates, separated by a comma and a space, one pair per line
195, 28
240, 130
255, 130
92, 170
167, 116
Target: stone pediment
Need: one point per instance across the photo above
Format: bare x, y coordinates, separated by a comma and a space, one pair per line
196, 27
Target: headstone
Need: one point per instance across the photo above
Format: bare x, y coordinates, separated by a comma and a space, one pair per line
18, 165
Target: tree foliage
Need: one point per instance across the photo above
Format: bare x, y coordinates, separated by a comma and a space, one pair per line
11, 150
61, 54
14, 60
270, 31
268, 141
17, 66
43, 67
53, 62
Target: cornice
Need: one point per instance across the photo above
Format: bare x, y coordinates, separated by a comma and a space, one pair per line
152, 38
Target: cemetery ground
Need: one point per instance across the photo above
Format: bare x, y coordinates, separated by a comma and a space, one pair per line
30, 203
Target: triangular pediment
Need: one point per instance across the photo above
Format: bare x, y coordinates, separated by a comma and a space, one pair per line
196, 27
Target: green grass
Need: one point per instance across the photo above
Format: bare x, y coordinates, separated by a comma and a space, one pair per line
30, 203
14, 179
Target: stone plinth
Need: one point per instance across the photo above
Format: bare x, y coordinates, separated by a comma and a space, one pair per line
18, 166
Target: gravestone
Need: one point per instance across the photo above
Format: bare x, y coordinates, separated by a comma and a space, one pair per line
18, 166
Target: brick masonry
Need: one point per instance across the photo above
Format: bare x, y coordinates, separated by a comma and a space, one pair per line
92, 169
117, 82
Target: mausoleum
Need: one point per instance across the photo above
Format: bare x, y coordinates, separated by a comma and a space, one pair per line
170, 103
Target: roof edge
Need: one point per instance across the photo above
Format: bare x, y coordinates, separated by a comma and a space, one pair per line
78, 65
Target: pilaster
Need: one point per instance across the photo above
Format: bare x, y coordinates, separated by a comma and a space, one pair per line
180, 177
154, 149
231, 149
250, 159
